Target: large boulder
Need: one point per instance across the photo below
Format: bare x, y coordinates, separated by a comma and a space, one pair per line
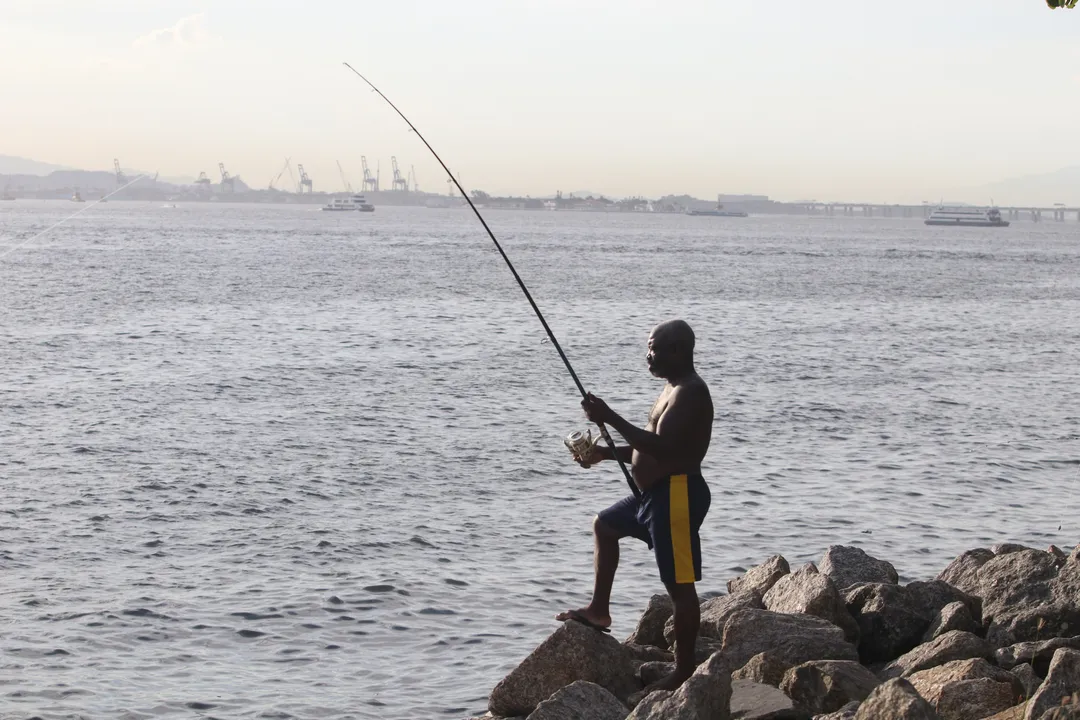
792, 639
580, 701
760, 578
891, 621
847, 712
955, 645
963, 572
648, 653
847, 565
1052, 619
765, 668
1016, 712
715, 613
808, 592
1015, 581
1027, 677
650, 627
1039, 654
931, 597
706, 695
826, 686
1065, 712
571, 653
756, 701
895, 699
954, 616
1062, 681
972, 683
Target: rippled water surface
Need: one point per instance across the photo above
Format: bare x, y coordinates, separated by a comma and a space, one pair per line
260, 461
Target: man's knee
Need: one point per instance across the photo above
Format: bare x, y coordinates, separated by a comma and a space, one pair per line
604, 531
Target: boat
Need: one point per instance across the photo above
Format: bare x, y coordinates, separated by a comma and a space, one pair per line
354, 203
966, 217
76, 197
719, 211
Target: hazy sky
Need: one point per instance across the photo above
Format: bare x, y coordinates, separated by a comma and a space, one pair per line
829, 99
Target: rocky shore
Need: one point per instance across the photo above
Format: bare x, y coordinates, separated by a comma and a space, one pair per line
995, 636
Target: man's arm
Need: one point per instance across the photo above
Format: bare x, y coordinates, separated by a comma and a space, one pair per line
672, 431
622, 452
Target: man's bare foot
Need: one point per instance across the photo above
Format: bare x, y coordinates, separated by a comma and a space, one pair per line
587, 616
671, 681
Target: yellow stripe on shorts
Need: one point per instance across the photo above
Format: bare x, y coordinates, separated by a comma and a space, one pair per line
679, 502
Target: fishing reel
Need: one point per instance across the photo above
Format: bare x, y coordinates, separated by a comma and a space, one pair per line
581, 443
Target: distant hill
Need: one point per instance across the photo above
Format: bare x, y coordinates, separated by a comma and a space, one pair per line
1060, 186
11, 165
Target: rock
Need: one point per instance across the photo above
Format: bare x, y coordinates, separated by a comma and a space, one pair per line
791, 639
1062, 680
847, 565
1016, 712
1060, 557
764, 668
573, 652
1038, 654
895, 699
650, 672
1054, 619
715, 613
704, 648
891, 622
1027, 677
650, 627
954, 616
931, 597
1006, 548
705, 696
948, 687
580, 701
955, 645
845, 713
757, 701
825, 686
966, 699
963, 572
648, 653
1068, 712
1015, 581
760, 578
809, 592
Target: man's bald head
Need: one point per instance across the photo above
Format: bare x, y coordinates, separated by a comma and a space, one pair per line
671, 349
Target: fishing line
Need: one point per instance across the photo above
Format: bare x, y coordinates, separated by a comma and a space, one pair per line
520, 282
74, 214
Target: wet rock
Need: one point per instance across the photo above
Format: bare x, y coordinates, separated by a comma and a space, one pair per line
705, 696
648, 653
891, 621
809, 592
847, 565
847, 712
1062, 681
963, 572
895, 699
650, 628
715, 613
791, 639
955, 645
571, 653
760, 578
951, 686
764, 668
580, 701
757, 701
954, 616
1038, 654
1027, 677
825, 686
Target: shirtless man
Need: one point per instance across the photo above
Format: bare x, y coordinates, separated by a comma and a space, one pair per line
666, 459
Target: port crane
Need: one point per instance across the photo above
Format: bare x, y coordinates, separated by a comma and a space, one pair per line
399, 182
121, 179
203, 180
344, 180
412, 176
370, 182
305, 181
226, 179
284, 167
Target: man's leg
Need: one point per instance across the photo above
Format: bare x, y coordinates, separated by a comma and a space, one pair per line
687, 619
605, 563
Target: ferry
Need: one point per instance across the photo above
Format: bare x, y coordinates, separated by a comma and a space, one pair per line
76, 197
353, 203
966, 217
718, 212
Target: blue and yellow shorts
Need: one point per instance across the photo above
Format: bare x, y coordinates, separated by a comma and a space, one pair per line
667, 518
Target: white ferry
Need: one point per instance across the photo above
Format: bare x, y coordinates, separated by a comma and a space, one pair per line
967, 217
353, 203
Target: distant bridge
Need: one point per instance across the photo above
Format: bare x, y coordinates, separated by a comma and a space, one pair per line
1035, 214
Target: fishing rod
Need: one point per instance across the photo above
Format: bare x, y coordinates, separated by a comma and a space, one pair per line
528, 296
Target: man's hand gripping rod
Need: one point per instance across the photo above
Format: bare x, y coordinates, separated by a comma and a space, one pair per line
521, 284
